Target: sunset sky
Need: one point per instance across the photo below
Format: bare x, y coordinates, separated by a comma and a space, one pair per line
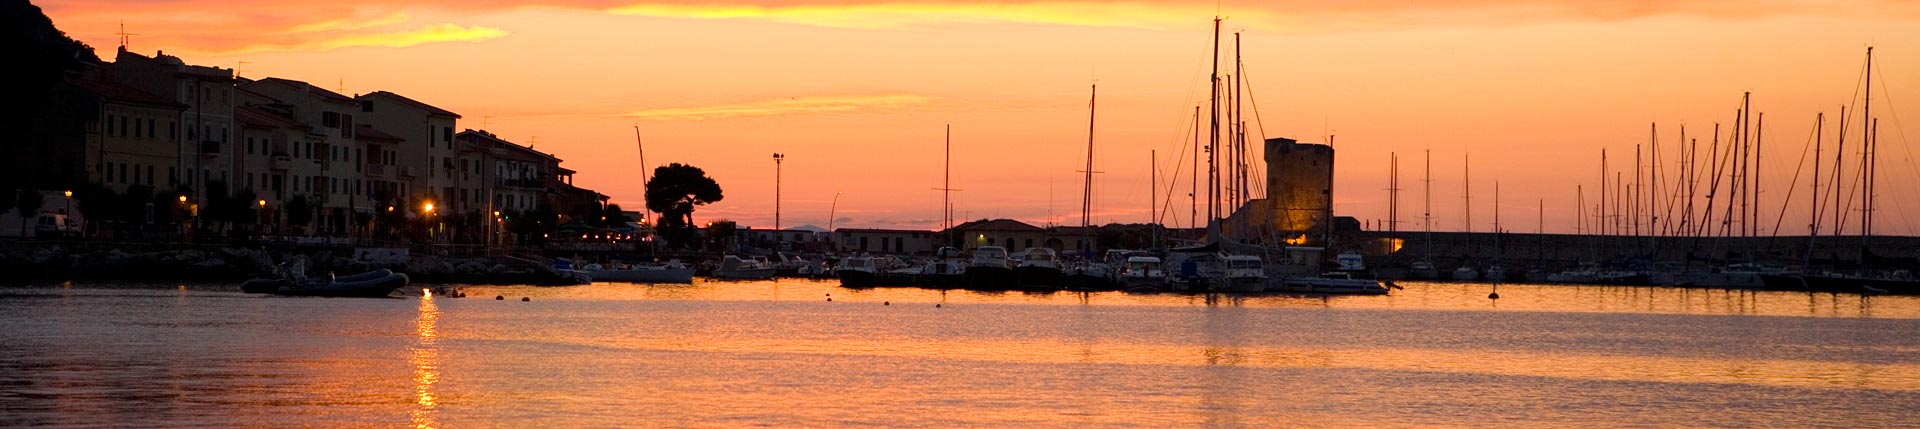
856, 93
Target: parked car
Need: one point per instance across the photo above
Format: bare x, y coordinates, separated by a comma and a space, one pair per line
55, 225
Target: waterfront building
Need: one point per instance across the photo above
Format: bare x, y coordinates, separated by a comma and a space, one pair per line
203, 132
324, 166
124, 143
888, 241
426, 154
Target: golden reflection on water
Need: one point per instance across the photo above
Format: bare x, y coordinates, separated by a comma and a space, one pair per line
425, 357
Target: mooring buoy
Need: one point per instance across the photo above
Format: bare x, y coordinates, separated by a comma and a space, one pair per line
499, 297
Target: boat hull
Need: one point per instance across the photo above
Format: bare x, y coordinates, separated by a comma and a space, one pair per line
371, 288
857, 278
989, 278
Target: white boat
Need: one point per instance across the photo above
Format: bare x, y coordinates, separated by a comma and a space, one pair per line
1497, 273
1424, 271
668, 272
989, 269
1465, 273
1332, 283
735, 268
1242, 273
1143, 272
1039, 268
857, 272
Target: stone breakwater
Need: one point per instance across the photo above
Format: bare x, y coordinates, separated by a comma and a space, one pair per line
32, 262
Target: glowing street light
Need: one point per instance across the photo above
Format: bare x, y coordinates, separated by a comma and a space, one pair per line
428, 207
183, 198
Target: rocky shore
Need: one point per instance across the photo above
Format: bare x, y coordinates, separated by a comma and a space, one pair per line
23, 262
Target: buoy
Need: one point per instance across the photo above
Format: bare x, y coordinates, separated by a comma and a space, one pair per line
499, 297
936, 306
829, 299
1495, 295
886, 302
525, 299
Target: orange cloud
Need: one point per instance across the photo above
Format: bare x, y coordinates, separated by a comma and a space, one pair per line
436, 33
785, 106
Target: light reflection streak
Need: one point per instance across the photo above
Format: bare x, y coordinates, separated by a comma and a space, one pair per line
1573, 366
425, 358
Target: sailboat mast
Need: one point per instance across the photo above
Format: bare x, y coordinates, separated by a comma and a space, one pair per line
1866, 163
1239, 177
1426, 213
1086, 190
1813, 212
1213, 138
1193, 195
946, 188
1759, 136
1467, 173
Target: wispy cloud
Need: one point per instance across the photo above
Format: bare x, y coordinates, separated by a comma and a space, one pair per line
904, 15
346, 24
436, 33
786, 106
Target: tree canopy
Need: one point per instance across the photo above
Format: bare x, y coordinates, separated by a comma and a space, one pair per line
676, 189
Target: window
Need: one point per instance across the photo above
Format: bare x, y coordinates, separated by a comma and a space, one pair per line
123, 126
110, 118
366, 105
123, 173
330, 119
250, 146
149, 175
446, 135
346, 126
150, 128
136, 128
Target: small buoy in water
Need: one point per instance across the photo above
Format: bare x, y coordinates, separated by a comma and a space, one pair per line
499, 297
886, 302
936, 306
1495, 295
525, 299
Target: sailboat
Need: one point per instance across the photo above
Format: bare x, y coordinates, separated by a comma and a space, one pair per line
647, 272
1866, 279
1466, 272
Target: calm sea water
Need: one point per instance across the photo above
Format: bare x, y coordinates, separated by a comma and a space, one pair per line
780, 354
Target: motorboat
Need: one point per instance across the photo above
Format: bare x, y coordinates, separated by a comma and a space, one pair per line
857, 272
1143, 273
945, 271
1466, 273
1039, 268
294, 282
672, 271
1332, 283
737, 268
1496, 273
1423, 270
1242, 273
988, 269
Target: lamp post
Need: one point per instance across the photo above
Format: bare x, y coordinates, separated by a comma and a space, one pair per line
777, 157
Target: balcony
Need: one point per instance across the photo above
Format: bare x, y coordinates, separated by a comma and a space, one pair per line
376, 170
282, 162
522, 183
209, 147
408, 172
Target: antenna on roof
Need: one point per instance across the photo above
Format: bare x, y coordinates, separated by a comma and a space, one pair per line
484, 120
343, 85
241, 67
124, 35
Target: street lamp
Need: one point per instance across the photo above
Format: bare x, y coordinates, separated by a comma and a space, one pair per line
777, 157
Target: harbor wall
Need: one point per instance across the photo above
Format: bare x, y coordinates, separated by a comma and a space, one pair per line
1556, 251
